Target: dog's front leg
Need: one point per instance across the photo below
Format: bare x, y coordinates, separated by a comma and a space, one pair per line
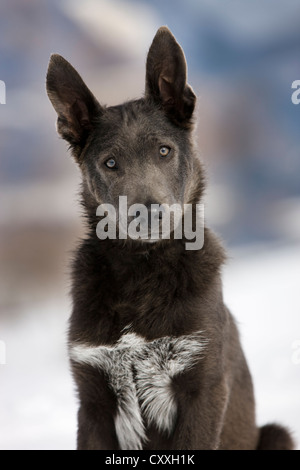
96, 428
200, 418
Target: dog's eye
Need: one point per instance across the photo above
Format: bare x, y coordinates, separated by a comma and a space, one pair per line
164, 151
111, 163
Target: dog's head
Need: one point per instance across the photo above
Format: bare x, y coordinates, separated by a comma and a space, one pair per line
141, 149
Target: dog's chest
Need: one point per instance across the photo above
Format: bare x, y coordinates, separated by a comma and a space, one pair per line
140, 374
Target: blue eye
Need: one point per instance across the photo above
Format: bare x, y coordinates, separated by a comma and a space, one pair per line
111, 163
164, 151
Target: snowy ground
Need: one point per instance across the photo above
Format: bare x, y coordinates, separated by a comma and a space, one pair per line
262, 290
38, 404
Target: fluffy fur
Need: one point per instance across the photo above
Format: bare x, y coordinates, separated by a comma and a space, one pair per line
140, 374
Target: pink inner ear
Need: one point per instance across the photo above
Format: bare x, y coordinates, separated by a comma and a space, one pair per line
166, 90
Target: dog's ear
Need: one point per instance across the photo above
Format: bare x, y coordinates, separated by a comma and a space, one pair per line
74, 103
166, 78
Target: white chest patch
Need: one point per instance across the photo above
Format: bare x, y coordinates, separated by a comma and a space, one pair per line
140, 373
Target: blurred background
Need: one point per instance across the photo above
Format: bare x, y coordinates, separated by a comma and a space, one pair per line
243, 57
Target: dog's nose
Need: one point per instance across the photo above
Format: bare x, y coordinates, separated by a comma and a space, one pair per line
155, 213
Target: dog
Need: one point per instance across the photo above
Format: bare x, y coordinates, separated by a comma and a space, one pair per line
155, 353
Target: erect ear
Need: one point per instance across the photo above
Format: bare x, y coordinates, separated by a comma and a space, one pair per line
75, 105
166, 77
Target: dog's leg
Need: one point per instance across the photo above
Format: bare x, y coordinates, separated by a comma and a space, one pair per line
200, 418
96, 428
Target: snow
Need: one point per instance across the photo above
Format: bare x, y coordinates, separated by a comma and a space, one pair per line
262, 290
38, 405
261, 287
